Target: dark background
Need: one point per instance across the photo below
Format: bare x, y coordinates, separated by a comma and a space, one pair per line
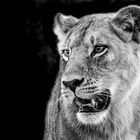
37, 49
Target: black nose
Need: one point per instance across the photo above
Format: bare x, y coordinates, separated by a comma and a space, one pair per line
73, 83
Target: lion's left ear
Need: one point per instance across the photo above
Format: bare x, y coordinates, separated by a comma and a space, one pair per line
126, 23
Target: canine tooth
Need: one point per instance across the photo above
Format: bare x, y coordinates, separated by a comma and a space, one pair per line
93, 102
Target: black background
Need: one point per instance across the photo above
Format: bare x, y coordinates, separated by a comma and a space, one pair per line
37, 58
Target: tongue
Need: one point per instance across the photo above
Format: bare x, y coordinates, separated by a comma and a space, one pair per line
86, 108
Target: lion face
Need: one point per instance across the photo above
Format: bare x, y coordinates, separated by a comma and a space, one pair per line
100, 57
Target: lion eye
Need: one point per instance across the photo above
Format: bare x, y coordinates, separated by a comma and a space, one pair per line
65, 54
99, 49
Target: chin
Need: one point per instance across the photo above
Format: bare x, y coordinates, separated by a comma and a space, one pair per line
93, 111
92, 118
89, 118
88, 113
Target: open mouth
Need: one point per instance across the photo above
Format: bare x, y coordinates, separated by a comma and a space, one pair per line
98, 103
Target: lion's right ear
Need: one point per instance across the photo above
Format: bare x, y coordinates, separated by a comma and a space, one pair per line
63, 24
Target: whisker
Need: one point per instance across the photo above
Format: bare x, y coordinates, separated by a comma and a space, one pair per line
59, 99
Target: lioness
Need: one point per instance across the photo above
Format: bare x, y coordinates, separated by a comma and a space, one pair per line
97, 92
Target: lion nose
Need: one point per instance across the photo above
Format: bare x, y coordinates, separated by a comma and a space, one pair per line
73, 83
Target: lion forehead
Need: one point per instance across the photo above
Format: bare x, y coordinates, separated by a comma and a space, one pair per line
100, 28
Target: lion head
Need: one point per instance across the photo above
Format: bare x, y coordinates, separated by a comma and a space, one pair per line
100, 66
